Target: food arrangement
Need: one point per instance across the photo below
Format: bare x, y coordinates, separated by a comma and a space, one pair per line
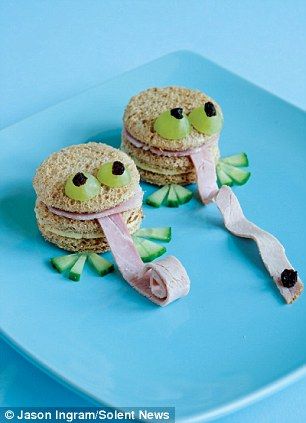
172, 134
89, 201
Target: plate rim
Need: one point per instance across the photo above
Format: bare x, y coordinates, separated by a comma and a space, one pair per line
217, 412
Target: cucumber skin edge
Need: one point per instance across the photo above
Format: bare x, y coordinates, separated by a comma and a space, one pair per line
105, 271
248, 175
236, 181
152, 203
156, 204
149, 256
60, 270
245, 162
163, 239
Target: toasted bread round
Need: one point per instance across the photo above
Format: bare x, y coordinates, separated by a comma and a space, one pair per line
160, 179
50, 178
145, 107
78, 236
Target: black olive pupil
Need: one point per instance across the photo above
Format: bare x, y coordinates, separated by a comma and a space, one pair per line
210, 109
118, 168
289, 278
79, 179
177, 112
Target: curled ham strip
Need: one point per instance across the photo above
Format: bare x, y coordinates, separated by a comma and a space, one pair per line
204, 163
168, 279
162, 282
271, 250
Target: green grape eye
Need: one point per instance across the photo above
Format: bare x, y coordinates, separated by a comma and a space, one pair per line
172, 124
82, 186
114, 174
206, 119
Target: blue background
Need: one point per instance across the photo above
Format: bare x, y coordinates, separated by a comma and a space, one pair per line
51, 50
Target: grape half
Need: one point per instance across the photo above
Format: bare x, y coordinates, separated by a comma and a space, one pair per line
172, 124
114, 174
82, 186
206, 119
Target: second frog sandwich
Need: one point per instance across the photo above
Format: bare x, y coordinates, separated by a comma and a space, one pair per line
172, 135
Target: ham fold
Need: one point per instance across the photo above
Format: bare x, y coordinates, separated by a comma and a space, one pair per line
205, 167
162, 281
271, 250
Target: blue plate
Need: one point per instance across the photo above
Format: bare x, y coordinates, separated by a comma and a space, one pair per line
232, 340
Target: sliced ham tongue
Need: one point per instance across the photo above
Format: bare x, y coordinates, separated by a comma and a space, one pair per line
121, 245
271, 250
205, 167
162, 282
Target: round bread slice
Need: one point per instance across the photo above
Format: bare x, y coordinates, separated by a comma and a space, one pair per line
79, 236
160, 179
145, 107
50, 178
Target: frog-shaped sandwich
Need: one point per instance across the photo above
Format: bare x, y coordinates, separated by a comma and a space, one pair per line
172, 135
88, 201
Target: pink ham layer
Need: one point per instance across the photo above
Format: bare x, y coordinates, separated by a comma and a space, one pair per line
163, 281
271, 250
159, 151
131, 203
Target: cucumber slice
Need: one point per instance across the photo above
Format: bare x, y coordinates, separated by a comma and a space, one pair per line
172, 199
161, 234
239, 176
140, 248
238, 160
156, 199
63, 263
77, 268
100, 264
148, 250
183, 194
223, 178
